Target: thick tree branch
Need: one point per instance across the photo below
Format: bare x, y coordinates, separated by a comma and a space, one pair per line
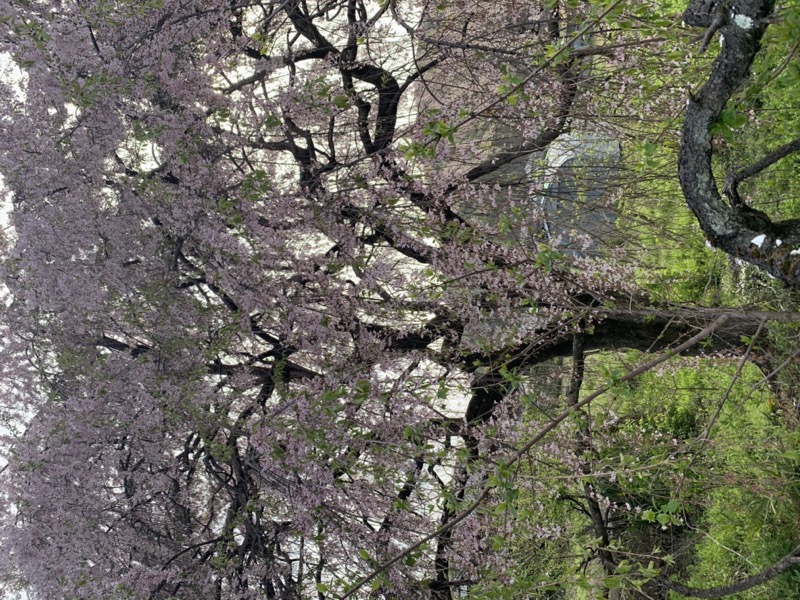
780, 567
383, 81
647, 329
744, 233
583, 443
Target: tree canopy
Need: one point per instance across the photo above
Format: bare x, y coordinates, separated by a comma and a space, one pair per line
287, 315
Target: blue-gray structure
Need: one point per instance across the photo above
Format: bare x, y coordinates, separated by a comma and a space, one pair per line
564, 196
577, 177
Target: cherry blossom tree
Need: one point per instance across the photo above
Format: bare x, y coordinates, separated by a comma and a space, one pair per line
257, 342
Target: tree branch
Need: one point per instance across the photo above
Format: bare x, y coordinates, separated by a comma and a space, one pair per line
741, 232
778, 568
734, 178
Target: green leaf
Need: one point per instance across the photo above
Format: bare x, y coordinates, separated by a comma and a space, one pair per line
732, 119
271, 121
722, 130
650, 571
363, 389
623, 567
